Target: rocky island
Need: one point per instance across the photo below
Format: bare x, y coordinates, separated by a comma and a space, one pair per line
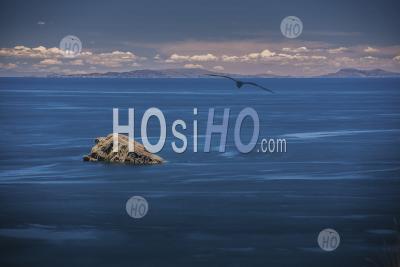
103, 151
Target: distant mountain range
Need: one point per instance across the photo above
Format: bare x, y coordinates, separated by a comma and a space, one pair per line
349, 72
147, 73
202, 73
163, 73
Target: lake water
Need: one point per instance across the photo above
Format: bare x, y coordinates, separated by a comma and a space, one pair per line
341, 171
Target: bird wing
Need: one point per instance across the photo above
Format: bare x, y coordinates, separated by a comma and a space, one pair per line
259, 86
223, 76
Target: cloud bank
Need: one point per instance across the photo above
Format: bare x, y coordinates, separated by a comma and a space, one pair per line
294, 58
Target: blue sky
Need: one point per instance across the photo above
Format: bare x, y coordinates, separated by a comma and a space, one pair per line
231, 36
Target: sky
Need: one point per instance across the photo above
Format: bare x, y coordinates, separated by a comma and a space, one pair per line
225, 36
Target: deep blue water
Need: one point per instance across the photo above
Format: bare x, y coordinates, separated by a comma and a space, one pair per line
341, 171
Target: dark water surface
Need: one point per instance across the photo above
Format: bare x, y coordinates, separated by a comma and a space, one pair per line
341, 171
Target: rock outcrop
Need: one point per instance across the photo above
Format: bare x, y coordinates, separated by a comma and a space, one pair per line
103, 151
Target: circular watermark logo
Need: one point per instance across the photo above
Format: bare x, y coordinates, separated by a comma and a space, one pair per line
291, 27
71, 46
137, 207
328, 239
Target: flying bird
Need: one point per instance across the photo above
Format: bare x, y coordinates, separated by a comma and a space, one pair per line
239, 83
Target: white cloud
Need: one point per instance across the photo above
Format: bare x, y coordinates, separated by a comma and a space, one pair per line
371, 50
250, 57
253, 55
319, 57
368, 58
219, 68
285, 57
50, 62
174, 58
52, 56
177, 58
397, 58
208, 57
337, 50
266, 53
269, 56
41, 23
295, 50
21, 51
226, 58
193, 66
113, 59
